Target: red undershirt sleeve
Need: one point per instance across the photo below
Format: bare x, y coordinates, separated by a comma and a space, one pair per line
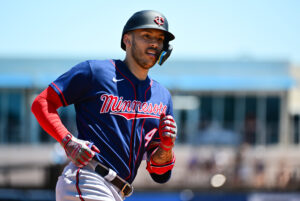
44, 107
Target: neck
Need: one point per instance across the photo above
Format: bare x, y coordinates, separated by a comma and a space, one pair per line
135, 69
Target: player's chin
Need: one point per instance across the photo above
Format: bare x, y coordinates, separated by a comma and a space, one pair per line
150, 64
152, 59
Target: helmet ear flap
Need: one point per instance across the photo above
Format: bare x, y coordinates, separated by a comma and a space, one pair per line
165, 53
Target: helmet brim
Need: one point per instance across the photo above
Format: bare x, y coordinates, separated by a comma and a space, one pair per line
169, 36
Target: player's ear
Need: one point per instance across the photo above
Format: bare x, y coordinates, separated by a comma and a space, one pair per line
127, 40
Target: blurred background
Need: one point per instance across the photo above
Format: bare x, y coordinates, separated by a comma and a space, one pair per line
234, 77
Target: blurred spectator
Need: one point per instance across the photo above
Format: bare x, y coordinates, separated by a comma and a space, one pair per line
245, 167
259, 173
242, 170
250, 129
283, 176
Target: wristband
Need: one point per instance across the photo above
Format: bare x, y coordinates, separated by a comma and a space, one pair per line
66, 139
156, 168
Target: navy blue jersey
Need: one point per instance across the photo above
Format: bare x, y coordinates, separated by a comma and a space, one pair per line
114, 110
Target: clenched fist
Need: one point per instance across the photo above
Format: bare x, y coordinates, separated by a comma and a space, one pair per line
167, 131
78, 151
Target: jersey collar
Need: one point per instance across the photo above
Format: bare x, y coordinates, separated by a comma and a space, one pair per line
125, 70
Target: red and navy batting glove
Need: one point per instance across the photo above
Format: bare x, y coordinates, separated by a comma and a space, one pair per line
167, 131
79, 151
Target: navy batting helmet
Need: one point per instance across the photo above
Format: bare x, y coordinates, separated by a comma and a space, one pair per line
150, 19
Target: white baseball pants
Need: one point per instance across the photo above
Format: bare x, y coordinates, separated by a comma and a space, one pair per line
85, 185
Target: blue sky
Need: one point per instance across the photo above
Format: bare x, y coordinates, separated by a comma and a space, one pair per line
260, 29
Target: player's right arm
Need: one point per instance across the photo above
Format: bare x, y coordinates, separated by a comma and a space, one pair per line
44, 107
162, 159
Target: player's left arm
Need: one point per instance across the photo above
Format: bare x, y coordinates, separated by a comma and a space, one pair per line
162, 159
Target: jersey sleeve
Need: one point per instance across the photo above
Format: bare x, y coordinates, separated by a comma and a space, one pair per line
73, 85
170, 108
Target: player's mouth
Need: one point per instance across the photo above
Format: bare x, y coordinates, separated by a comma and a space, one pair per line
152, 53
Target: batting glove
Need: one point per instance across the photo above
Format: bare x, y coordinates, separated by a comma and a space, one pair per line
167, 131
78, 151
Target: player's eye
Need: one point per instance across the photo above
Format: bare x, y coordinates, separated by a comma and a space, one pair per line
147, 36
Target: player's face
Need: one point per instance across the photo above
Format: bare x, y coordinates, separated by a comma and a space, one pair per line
146, 47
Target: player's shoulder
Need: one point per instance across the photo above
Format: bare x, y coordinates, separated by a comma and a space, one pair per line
159, 87
100, 66
107, 63
94, 64
94, 68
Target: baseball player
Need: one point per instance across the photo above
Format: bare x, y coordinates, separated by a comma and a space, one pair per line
122, 116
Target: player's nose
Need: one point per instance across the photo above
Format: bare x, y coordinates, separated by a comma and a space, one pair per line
154, 43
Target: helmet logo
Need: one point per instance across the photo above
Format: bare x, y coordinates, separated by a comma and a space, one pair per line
159, 20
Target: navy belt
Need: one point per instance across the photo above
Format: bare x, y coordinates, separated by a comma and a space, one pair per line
124, 186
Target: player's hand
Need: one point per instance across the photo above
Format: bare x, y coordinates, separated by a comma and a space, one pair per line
78, 151
167, 131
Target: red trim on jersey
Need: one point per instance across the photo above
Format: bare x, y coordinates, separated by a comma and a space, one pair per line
132, 131
140, 143
147, 90
130, 116
77, 185
130, 153
143, 125
62, 95
44, 107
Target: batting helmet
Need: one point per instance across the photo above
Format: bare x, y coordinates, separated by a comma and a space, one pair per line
150, 19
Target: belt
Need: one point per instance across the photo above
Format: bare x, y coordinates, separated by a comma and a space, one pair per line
112, 177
